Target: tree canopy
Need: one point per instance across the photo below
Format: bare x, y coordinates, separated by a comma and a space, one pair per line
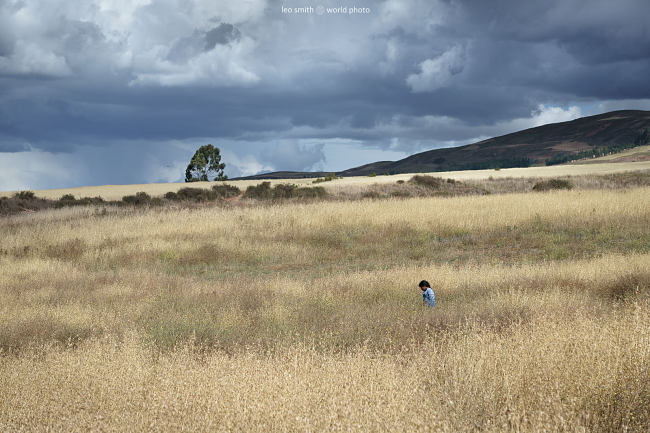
205, 164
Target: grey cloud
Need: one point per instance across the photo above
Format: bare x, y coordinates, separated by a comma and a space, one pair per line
223, 34
278, 91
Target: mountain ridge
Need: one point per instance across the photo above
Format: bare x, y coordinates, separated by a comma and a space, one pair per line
548, 144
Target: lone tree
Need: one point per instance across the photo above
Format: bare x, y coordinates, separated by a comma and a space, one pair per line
205, 163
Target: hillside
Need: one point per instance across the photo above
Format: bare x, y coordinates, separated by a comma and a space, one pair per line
604, 133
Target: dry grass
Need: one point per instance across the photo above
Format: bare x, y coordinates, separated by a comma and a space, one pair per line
306, 316
116, 192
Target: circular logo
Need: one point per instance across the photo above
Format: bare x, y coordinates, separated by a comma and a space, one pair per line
320, 10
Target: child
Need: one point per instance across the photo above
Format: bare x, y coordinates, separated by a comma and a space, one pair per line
428, 297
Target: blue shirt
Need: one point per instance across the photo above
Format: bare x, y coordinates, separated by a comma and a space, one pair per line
429, 297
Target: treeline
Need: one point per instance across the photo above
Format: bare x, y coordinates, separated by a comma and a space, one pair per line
641, 140
492, 163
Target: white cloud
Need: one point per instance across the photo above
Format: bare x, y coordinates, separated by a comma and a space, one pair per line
224, 64
29, 59
37, 170
624, 104
418, 16
543, 115
90, 37
437, 72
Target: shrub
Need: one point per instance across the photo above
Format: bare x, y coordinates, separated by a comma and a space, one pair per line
25, 201
427, 181
25, 195
196, 194
400, 181
139, 199
330, 177
372, 174
264, 191
284, 190
203, 194
371, 195
547, 185
70, 200
313, 192
226, 191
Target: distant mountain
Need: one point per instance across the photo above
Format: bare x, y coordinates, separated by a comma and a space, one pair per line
548, 144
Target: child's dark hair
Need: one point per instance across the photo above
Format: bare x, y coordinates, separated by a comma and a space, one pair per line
424, 283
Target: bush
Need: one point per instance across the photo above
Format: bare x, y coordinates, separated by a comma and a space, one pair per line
427, 181
547, 185
196, 194
313, 192
264, 191
139, 199
284, 190
70, 200
330, 177
226, 191
25, 195
25, 201
202, 194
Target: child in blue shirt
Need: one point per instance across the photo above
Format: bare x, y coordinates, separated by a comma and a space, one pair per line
428, 297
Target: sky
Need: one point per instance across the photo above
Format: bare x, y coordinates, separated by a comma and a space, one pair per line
96, 92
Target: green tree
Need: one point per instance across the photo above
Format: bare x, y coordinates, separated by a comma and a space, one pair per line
205, 164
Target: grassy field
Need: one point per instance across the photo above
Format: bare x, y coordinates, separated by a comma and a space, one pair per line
116, 192
306, 316
640, 153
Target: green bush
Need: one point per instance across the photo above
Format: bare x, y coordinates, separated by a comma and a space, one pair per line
284, 190
330, 177
202, 194
551, 184
139, 199
262, 191
427, 181
307, 192
281, 191
70, 200
25, 195
196, 194
226, 191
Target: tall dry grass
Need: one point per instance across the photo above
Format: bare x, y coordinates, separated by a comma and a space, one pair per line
307, 316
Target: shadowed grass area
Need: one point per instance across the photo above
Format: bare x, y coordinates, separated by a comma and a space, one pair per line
307, 316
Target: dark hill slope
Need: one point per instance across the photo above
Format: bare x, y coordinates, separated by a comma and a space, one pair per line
552, 143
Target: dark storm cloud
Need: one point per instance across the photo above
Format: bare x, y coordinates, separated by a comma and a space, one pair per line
222, 34
88, 78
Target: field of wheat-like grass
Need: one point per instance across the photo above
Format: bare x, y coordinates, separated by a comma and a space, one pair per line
297, 316
346, 184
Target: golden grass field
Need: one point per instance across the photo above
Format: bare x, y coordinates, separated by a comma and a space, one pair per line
306, 316
116, 192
